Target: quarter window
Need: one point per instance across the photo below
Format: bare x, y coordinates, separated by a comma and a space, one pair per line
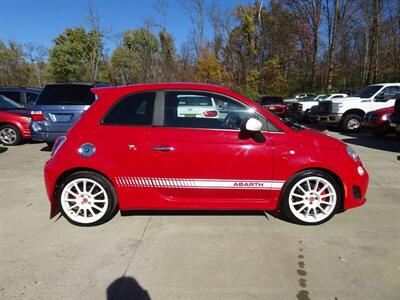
15, 96
134, 109
205, 110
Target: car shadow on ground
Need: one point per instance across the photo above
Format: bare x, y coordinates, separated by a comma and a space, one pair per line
126, 288
46, 148
389, 143
3, 149
267, 214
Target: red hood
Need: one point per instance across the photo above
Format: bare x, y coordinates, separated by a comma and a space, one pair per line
383, 111
320, 140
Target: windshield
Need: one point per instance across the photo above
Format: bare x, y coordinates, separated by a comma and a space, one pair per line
271, 100
66, 94
368, 91
6, 103
319, 97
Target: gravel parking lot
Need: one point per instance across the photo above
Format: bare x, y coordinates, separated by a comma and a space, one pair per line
201, 255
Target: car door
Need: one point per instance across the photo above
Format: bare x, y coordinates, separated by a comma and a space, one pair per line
123, 138
203, 160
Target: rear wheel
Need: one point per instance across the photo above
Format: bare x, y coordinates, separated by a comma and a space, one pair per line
10, 135
311, 198
87, 199
351, 123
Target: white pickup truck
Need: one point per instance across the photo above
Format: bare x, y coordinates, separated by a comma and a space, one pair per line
348, 112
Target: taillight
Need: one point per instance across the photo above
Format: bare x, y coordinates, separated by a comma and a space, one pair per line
210, 113
57, 145
37, 115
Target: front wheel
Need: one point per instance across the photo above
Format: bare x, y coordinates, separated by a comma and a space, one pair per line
351, 123
311, 198
87, 199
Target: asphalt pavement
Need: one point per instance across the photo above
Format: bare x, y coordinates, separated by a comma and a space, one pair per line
221, 255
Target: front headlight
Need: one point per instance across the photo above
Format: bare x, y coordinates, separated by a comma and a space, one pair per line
352, 153
385, 117
336, 107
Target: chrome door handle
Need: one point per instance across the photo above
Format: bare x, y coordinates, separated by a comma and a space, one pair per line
163, 148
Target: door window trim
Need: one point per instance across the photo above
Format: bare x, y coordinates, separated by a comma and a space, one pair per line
102, 123
160, 122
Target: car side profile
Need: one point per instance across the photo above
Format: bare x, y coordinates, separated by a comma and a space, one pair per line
14, 122
132, 151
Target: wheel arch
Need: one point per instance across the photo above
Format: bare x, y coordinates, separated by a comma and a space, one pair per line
321, 169
69, 172
354, 111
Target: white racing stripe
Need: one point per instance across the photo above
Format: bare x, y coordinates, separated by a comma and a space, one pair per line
188, 183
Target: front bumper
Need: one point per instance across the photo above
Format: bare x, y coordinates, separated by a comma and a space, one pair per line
329, 119
355, 188
377, 127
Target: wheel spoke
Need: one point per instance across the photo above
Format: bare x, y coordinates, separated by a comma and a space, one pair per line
308, 184
97, 207
73, 206
316, 185
77, 188
91, 211
97, 194
301, 188
326, 195
91, 189
84, 186
297, 195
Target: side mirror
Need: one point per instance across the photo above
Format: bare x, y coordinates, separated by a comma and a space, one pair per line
383, 97
253, 125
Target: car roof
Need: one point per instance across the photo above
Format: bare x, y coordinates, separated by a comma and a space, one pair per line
162, 86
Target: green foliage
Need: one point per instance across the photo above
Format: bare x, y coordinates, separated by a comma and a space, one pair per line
137, 57
75, 55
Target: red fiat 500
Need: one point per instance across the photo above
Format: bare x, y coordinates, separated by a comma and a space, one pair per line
133, 151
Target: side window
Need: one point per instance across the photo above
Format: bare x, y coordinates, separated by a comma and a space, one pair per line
205, 110
31, 97
394, 90
136, 109
15, 96
337, 96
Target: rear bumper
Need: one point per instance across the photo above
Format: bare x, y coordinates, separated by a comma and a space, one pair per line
41, 133
329, 119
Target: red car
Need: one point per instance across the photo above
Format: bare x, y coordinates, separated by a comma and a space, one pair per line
14, 122
131, 151
378, 121
274, 104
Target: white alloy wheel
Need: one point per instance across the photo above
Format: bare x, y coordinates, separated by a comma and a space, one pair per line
84, 200
312, 199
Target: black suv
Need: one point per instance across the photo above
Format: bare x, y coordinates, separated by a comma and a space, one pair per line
24, 96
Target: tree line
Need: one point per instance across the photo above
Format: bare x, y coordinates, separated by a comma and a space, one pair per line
275, 48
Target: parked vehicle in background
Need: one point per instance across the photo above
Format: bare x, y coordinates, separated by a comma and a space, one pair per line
377, 122
197, 106
348, 112
274, 104
58, 108
299, 97
118, 157
14, 122
301, 109
395, 116
24, 96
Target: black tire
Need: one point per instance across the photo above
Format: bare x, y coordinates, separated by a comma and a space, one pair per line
285, 207
112, 208
16, 138
351, 123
